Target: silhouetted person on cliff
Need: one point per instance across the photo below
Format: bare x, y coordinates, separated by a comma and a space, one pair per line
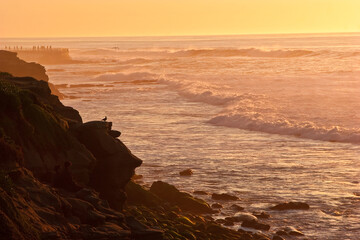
63, 179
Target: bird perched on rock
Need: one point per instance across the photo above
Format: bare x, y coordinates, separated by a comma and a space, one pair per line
104, 119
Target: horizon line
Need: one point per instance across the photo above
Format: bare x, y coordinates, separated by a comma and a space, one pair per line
185, 35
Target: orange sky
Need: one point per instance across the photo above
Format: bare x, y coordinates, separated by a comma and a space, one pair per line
72, 18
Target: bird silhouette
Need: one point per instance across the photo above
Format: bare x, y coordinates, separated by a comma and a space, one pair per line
104, 119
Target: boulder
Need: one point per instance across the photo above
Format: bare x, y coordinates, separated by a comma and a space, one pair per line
293, 231
264, 215
236, 207
291, 206
240, 217
256, 225
184, 200
142, 232
224, 196
216, 205
200, 193
187, 172
277, 237
138, 195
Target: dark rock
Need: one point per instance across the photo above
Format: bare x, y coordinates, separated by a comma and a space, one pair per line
141, 231
293, 231
260, 236
277, 237
281, 232
256, 225
228, 223
184, 200
115, 163
200, 193
136, 194
236, 207
221, 221
264, 215
114, 133
216, 205
240, 217
291, 206
224, 196
187, 172
137, 177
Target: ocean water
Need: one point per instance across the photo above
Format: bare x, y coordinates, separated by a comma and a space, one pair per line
268, 118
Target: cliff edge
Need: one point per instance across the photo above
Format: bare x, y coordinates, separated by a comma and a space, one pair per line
61, 178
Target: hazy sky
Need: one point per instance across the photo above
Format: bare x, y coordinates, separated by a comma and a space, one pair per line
66, 18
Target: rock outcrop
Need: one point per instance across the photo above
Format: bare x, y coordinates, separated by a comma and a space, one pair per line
10, 63
115, 163
185, 201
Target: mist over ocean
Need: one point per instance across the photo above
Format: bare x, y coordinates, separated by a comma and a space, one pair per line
270, 118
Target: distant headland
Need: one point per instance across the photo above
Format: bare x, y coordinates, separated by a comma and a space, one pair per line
43, 54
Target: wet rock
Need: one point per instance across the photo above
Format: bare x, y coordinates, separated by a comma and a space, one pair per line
224, 196
200, 193
184, 200
263, 215
221, 221
293, 231
277, 237
245, 217
216, 205
256, 225
187, 172
236, 207
228, 224
291, 206
281, 233
260, 236
240, 217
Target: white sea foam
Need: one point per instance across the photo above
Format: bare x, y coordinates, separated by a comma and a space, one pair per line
256, 112
309, 130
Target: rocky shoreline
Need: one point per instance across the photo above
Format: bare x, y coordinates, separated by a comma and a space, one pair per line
61, 178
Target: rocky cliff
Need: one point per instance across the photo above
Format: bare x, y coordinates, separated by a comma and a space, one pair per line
61, 178
11, 63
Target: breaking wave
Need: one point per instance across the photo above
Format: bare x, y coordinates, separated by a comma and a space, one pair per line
217, 52
250, 52
135, 76
309, 130
254, 112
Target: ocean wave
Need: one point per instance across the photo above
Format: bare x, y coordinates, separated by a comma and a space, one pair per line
248, 52
138, 54
135, 76
308, 130
206, 92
